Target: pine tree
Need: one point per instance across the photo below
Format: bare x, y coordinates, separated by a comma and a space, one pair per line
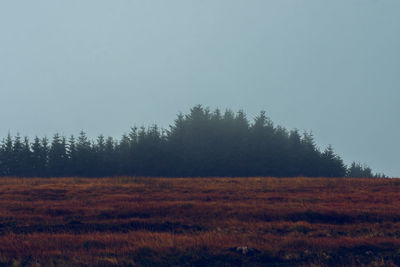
356, 170
39, 157
7, 156
85, 164
58, 158
332, 164
26, 158
17, 156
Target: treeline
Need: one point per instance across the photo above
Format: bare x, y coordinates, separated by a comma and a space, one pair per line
201, 143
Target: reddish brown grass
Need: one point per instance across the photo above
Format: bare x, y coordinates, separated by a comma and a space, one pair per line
196, 221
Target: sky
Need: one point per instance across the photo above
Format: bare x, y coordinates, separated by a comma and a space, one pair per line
330, 67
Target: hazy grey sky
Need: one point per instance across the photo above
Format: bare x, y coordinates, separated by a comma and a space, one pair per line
332, 67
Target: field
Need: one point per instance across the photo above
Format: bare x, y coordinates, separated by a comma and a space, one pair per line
199, 222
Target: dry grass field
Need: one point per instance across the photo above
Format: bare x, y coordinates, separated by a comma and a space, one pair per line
199, 222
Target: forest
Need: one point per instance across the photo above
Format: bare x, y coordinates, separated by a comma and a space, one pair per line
202, 143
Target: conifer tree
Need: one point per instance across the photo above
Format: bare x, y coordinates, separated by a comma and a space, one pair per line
7, 156
39, 157
84, 156
58, 159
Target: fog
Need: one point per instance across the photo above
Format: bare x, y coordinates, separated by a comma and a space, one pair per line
330, 67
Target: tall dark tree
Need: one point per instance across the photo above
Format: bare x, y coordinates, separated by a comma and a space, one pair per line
58, 159
18, 157
72, 157
110, 158
311, 156
26, 158
85, 160
332, 164
7, 157
40, 157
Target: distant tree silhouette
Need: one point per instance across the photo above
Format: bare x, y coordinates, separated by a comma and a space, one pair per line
72, 157
332, 164
58, 160
7, 157
85, 162
357, 170
40, 151
200, 143
26, 158
109, 157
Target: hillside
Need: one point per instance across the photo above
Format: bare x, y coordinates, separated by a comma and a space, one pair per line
199, 221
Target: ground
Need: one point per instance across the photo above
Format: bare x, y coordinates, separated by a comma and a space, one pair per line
131, 221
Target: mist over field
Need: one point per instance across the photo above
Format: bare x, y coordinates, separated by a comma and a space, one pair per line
100, 66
